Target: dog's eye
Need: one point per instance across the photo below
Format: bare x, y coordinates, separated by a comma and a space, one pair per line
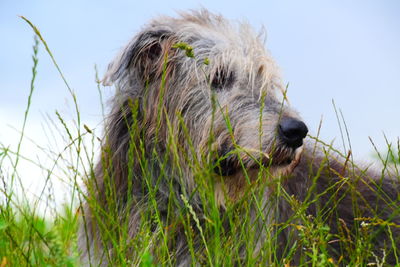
222, 80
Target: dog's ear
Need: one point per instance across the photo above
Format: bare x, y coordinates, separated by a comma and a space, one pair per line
142, 60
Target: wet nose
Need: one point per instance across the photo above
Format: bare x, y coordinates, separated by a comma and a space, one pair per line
292, 132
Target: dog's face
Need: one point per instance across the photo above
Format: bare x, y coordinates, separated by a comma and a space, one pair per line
220, 81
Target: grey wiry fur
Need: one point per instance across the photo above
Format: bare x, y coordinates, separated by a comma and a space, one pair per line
200, 89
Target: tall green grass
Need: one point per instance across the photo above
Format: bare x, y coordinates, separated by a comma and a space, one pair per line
34, 230
29, 237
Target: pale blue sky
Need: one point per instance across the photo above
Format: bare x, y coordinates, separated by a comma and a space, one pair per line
348, 51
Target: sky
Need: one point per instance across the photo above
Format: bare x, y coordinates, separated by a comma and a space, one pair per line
342, 51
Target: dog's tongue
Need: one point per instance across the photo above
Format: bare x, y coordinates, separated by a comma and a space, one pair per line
296, 160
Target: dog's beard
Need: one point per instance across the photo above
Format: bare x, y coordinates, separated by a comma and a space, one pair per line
234, 185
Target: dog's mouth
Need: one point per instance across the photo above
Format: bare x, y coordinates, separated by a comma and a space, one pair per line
283, 161
286, 165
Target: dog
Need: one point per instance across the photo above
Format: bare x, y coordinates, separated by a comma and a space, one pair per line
200, 133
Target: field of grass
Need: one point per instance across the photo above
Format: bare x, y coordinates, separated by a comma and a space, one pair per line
30, 238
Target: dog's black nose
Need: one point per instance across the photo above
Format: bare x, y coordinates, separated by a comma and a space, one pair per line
292, 132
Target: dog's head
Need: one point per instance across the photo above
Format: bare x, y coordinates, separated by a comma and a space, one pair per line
213, 86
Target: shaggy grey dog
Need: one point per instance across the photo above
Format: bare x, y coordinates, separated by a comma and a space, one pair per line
198, 96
